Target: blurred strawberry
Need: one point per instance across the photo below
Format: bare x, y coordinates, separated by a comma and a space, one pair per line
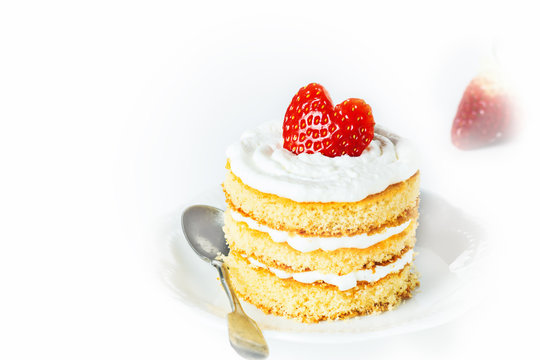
483, 116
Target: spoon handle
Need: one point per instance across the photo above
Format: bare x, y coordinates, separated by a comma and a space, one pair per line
244, 334
226, 283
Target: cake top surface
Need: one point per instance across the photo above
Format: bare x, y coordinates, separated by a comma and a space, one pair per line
261, 162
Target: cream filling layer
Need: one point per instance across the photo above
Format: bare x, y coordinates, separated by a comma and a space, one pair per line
307, 244
343, 282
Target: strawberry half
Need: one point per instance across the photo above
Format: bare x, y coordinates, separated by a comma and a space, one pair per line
312, 124
355, 121
483, 116
307, 126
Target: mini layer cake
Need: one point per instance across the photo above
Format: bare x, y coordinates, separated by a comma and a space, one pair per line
317, 237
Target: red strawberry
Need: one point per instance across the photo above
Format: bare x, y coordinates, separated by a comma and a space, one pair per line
355, 121
312, 124
307, 126
483, 115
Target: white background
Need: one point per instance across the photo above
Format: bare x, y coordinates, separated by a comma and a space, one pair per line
115, 113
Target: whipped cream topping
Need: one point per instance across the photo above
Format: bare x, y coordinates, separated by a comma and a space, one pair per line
260, 160
307, 244
343, 282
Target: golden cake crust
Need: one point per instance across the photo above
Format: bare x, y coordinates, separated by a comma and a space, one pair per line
260, 246
323, 219
317, 301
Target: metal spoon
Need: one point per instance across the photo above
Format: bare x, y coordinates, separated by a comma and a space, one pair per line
203, 228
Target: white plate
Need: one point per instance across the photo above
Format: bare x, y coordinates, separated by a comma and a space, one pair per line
450, 246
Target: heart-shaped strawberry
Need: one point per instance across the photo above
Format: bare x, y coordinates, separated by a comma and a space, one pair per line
313, 124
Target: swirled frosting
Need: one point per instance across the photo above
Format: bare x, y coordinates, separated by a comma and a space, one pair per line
261, 162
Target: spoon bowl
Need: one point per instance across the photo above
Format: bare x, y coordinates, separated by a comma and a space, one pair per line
203, 227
